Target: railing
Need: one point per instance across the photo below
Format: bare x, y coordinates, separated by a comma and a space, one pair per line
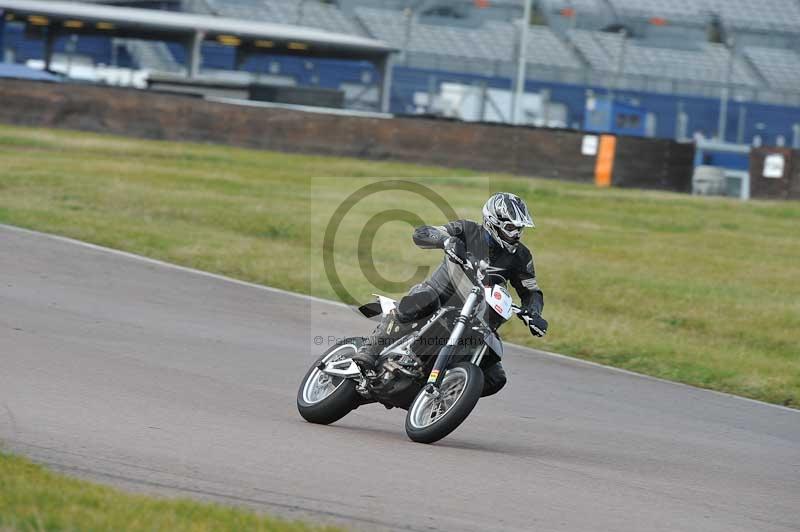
610, 80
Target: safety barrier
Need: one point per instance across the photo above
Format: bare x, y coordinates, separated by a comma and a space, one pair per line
561, 154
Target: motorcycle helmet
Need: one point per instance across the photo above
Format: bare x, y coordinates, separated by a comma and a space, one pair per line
505, 215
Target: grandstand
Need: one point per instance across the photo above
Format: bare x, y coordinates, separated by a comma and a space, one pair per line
678, 11
311, 14
672, 57
763, 15
780, 67
707, 62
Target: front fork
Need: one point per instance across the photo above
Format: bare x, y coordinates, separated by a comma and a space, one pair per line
443, 358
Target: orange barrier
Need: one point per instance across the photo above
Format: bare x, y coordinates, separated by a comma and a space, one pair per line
604, 166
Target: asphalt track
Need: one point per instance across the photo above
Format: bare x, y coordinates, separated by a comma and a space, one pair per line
169, 381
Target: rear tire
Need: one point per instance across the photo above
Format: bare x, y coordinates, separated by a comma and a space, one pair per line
337, 403
421, 427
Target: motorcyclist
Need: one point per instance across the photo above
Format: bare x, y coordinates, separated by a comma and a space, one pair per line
497, 240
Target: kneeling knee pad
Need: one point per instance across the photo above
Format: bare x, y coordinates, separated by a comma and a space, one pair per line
420, 302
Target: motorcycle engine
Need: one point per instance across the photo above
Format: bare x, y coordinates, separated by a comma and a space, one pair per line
398, 380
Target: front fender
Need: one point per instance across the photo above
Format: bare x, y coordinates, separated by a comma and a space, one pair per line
493, 341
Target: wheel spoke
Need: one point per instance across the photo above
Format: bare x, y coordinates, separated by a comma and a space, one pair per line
427, 410
320, 385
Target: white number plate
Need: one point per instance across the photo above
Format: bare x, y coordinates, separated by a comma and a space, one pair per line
500, 300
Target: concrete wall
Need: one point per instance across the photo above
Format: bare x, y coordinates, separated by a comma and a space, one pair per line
647, 163
653, 164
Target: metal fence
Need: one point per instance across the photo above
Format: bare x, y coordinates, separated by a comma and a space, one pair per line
596, 78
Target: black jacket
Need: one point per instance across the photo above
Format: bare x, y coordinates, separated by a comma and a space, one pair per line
516, 268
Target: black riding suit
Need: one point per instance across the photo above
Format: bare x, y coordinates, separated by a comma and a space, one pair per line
442, 288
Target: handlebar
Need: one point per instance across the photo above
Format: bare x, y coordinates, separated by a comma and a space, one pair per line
471, 268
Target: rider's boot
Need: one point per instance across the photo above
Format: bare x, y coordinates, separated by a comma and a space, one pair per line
388, 331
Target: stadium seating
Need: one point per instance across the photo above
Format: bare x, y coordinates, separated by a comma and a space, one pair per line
309, 13
594, 6
490, 47
781, 68
591, 45
761, 15
591, 14
709, 62
544, 48
767, 15
673, 11
155, 56
493, 41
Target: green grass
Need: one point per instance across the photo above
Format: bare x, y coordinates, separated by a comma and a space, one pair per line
34, 499
701, 291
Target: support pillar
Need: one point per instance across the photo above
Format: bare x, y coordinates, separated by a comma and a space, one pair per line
194, 57
49, 44
385, 66
239, 57
2, 36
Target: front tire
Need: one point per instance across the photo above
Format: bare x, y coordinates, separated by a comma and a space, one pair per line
428, 421
324, 399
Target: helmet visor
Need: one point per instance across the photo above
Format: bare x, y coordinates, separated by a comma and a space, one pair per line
510, 232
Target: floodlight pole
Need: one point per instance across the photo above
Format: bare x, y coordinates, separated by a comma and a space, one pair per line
623, 50
725, 95
410, 12
519, 89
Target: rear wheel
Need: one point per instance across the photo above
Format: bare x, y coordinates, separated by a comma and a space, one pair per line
323, 398
430, 418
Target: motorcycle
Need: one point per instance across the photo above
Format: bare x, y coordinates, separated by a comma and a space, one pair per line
434, 372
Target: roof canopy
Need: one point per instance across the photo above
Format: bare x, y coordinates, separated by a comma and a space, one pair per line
69, 17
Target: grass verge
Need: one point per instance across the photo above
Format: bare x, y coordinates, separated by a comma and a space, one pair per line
697, 290
32, 498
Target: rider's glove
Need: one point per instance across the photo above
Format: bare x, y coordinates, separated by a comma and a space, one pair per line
455, 250
535, 322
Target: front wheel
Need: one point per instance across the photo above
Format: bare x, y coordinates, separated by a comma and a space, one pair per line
323, 398
430, 419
